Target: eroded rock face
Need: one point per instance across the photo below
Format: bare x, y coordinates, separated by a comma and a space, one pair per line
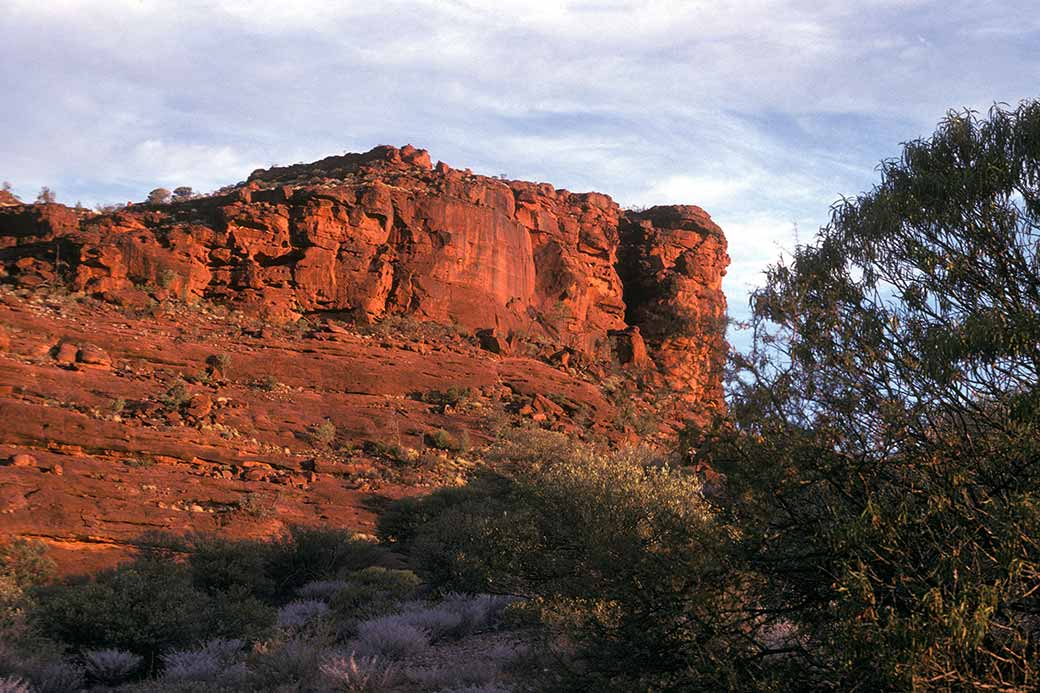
385, 232
672, 263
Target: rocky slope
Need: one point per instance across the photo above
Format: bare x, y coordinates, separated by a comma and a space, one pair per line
327, 335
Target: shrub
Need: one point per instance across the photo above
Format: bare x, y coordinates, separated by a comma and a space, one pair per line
452, 397
323, 434
45, 196
183, 192
268, 383
219, 363
388, 637
175, 397
300, 613
442, 440
439, 621
322, 590
374, 591
388, 451
360, 674
401, 523
215, 662
25, 563
476, 611
258, 505
56, 676
110, 666
620, 551
166, 278
293, 661
222, 566
146, 607
307, 554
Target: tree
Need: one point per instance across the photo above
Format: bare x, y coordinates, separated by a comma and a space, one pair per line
159, 196
45, 197
883, 465
183, 192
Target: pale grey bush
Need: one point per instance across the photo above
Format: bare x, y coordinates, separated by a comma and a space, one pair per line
110, 666
14, 684
225, 649
477, 611
293, 661
300, 613
437, 621
356, 674
322, 590
389, 637
214, 662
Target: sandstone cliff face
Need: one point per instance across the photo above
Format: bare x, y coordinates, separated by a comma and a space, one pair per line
433, 300
672, 263
385, 232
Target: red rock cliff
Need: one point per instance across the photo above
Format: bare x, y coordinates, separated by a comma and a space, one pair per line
138, 413
386, 232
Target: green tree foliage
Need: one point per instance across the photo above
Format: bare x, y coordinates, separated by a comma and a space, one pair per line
884, 470
159, 196
617, 553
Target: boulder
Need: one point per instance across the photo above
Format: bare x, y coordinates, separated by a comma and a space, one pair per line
22, 459
92, 355
66, 353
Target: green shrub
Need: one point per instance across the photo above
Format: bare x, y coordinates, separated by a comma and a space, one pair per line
388, 451
307, 554
620, 552
219, 363
166, 278
25, 562
222, 566
400, 524
323, 434
442, 440
452, 397
374, 591
144, 607
175, 397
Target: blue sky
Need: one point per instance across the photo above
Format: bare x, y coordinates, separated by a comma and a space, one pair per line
763, 113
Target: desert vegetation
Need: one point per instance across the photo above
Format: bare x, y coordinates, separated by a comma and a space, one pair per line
868, 520
315, 610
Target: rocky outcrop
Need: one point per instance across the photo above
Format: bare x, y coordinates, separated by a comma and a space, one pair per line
672, 261
8, 198
387, 233
441, 309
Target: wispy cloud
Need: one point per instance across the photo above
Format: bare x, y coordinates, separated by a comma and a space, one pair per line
762, 111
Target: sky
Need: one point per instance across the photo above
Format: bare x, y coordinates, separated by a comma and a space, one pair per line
763, 113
